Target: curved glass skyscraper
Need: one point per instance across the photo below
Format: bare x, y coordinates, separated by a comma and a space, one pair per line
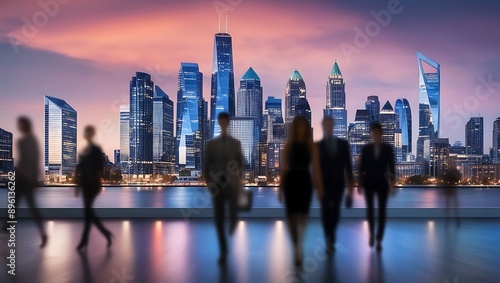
429, 97
429, 103
403, 116
191, 117
222, 90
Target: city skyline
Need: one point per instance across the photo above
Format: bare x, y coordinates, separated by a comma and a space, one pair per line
92, 74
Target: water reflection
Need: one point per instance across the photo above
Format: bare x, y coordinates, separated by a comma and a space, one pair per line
280, 256
266, 197
241, 248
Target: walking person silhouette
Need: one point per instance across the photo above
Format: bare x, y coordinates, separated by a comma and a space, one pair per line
88, 175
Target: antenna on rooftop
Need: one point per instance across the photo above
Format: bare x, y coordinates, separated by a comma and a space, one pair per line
226, 20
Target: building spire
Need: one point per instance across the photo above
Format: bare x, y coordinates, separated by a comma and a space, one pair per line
226, 20
219, 25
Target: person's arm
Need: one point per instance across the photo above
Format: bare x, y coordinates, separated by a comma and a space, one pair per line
362, 169
78, 175
283, 171
241, 165
206, 164
318, 181
392, 167
101, 162
348, 168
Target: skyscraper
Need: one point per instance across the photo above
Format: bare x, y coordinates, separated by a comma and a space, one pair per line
335, 102
304, 109
222, 89
403, 122
249, 100
295, 89
116, 157
163, 132
439, 155
191, 130
474, 134
387, 119
496, 140
359, 133
124, 137
372, 105
242, 129
429, 102
60, 137
273, 107
6, 161
141, 124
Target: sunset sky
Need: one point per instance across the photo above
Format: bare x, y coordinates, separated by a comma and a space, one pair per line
86, 52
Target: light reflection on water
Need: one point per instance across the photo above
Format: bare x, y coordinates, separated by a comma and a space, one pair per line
198, 197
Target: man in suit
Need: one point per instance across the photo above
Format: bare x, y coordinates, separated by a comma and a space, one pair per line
223, 176
335, 162
377, 175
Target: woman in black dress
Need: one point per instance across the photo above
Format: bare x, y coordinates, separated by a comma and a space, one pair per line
296, 182
88, 175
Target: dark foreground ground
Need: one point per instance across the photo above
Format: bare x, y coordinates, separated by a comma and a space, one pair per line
177, 250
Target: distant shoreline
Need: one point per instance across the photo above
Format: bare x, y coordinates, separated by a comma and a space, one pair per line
250, 186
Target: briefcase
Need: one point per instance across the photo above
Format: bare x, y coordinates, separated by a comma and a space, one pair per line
245, 198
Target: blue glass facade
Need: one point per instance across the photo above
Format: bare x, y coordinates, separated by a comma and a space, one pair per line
60, 137
474, 136
241, 128
429, 104
141, 124
295, 89
372, 105
191, 118
222, 88
6, 161
249, 100
163, 127
335, 102
404, 121
273, 107
124, 136
429, 97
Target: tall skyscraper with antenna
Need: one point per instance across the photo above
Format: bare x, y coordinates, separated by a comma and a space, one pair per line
335, 102
222, 87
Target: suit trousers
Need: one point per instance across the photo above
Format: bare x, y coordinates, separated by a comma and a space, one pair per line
382, 195
330, 213
220, 196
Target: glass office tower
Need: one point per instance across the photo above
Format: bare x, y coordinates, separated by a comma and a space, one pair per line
141, 124
474, 134
6, 161
403, 117
222, 88
163, 132
496, 140
242, 129
372, 105
191, 129
249, 99
335, 102
124, 137
60, 137
295, 89
429, 104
